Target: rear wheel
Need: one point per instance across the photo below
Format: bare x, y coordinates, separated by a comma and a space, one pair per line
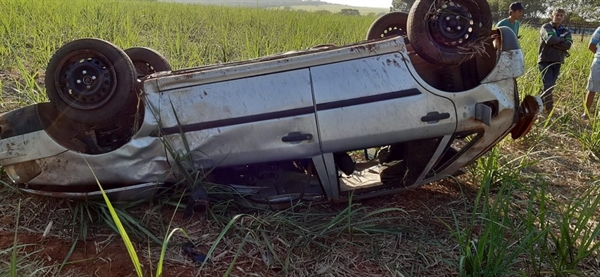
387, 25
90, 80
147, 61
449, 31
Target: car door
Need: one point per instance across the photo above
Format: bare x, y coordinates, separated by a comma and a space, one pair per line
242, 120
375, 101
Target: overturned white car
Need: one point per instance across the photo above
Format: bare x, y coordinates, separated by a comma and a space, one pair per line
370, 118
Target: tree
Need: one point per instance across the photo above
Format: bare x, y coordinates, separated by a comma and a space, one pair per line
589, 10
402, 5
534, 10
350, 12
322, 12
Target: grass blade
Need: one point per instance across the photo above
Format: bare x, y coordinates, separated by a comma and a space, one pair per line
13, 258
128, 245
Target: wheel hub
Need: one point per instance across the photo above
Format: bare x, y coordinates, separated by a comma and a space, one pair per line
451, 24
143, 69
87, 80
393, 31
86, 83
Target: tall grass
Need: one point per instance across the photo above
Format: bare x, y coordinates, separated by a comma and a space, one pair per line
573, 237
280, 234
188, 35
491, 242
517, 230
513, 225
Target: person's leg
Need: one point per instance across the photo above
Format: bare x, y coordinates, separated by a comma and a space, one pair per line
549, 75
556, 73
593, 86
545, 71
589, 99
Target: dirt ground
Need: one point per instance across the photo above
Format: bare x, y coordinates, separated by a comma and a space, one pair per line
104, 254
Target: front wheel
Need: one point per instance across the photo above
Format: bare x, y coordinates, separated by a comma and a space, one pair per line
449, 31
90, 80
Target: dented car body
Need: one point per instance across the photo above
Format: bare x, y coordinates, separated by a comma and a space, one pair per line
366, 119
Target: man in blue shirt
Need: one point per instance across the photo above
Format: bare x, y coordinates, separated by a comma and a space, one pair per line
515, 13
594, 78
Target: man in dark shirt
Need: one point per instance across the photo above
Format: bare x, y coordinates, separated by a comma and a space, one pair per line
555, 40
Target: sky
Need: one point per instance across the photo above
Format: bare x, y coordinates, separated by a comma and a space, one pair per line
363, 3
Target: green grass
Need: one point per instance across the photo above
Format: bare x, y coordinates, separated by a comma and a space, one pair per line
516, 215
188, 35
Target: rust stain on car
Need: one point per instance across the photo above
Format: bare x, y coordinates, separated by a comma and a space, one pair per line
58, 164
393, 62
367, 47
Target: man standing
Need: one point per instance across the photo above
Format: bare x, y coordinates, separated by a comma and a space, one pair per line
594, 78
515, 13
555, 40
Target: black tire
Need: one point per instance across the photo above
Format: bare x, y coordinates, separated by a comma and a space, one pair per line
449, 31
90, 80
389, 24
147, 61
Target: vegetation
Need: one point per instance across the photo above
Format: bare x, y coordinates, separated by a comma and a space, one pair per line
528, 208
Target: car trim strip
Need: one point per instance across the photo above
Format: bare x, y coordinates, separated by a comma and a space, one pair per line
368, 99
287, 113
235, 121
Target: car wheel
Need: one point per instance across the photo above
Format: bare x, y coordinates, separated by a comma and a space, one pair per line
147, 61
389, 24
90, 80
449, 31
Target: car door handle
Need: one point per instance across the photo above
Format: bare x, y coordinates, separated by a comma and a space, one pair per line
296, 137
434, 117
